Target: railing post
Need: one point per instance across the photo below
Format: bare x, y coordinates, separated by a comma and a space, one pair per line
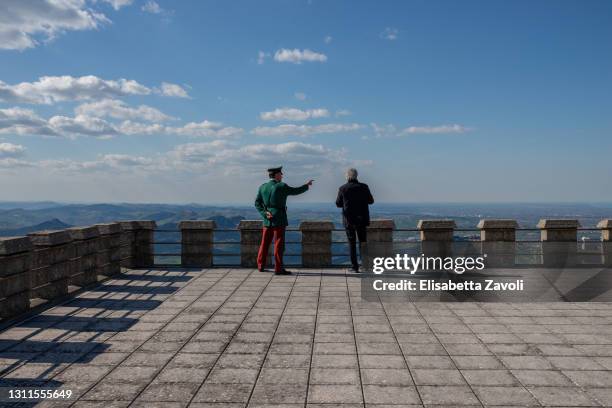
108, 261
498, 242
50, 265
316, 243
15, 257
197, 243
379, 243
139, 238
436, 237
558, 239
250, 238
83, 265
606, 241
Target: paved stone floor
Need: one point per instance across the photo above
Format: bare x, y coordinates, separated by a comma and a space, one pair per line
225, 338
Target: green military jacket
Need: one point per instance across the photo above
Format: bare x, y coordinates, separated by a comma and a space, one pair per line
272, 196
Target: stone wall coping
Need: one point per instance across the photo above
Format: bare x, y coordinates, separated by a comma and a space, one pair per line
197, 225
498, 224
250, 224
147, 225
605, 224
316, 226
50, 237
109, 228
436, 224
382, 224
128, 225
14, 245
82, 233
138, 225
558, 224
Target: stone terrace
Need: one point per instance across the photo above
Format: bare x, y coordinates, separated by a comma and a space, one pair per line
236, 337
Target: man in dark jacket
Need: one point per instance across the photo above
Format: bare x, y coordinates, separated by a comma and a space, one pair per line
354, 198
271, 203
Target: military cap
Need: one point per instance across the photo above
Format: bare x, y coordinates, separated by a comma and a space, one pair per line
275, 170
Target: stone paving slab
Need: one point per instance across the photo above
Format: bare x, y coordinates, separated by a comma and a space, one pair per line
232, 338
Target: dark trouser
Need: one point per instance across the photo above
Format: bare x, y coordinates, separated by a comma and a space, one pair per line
278, 233
352, 233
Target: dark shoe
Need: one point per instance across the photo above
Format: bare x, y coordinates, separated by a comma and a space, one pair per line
261, 269
354, 269
283, 272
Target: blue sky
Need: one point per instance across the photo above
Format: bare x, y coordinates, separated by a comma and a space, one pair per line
190, 101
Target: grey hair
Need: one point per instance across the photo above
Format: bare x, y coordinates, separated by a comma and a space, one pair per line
351, 174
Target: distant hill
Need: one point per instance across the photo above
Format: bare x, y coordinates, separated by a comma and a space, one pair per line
21, 218
37, 205
53, 224
88, 214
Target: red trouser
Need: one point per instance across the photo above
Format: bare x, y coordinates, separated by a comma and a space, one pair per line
278, 233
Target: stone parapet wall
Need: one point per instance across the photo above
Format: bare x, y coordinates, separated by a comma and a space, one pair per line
15, 258
86, 242
108, 258
48, 265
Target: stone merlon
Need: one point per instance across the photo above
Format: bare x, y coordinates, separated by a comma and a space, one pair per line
14, 245
83, 233
250, 224
497, 224
316, 226
197, 225
109, 229
50, 238
436, 224
558, 224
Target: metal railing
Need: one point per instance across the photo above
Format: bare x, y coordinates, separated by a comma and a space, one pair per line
226, 251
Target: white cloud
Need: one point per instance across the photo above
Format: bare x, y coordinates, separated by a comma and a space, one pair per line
208, 158
343, 112
117, 109
12, 164
435, 129
152, 7
125, 160
300, 96
393, 131
223, 157
206, 129
197, 152
305, 130
11, 150
23, 121
261, 57
24, 23
20, 121
117, 4
328, 39
51, 89
297, 56
195, 129
390, 33
174, 90
293, 114
81, 125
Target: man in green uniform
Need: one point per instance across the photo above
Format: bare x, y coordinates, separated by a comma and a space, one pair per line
271, 202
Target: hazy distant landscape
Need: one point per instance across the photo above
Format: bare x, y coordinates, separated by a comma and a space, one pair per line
18, 218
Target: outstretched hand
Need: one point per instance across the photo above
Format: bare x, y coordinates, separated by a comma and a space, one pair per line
309, 183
